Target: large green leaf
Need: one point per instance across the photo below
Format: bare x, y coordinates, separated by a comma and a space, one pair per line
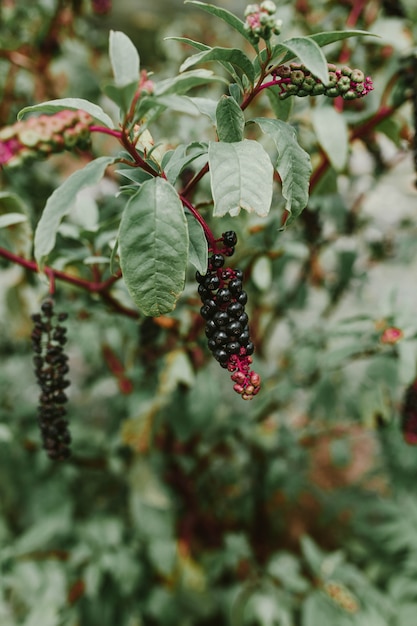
234, 56
53, 106
241, 175
225, 15
310, 54
124, 59
293, 164
189, 105
283, 55
332, 133
230, 120
61, 202
153, 247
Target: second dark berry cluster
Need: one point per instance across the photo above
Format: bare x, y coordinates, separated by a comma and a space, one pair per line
51, 367
223, 309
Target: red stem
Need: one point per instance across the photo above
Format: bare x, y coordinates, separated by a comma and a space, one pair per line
209, 235
106, 131
92, 286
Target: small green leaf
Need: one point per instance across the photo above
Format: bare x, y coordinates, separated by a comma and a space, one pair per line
332, 133
181, 157
10, 219
187, 80
122, 96
230, 120
293, 164
124, 59
310, 54
234, 56
241, 176
53, 106
198, 251
224, 15
190, 42
61, 202
153, 247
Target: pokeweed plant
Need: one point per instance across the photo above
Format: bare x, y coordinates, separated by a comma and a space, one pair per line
162, 228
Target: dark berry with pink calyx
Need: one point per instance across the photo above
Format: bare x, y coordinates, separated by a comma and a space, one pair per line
226, 321
50, 362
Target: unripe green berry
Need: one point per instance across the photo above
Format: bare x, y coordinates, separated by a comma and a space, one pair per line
318, 89
269, 7
297, 77
308, 83
346, 71
357, 76
333, 79
29, 137
332, 92
344, 84
349, 95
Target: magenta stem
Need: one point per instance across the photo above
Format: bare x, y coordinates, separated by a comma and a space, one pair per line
106, 131
209, 235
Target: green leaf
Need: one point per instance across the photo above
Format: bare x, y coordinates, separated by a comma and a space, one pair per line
10, 219
316, 610
187, 80
224, 15
230, 120
53, 106
310, 54
323, 39
153, 247
241, 177
122, 96
61, 202
189, 105
293, 164
198, 250
182, 156
234, 56
190, 42
124, 59
332, 133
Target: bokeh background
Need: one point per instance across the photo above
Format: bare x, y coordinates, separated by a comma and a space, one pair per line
181, 504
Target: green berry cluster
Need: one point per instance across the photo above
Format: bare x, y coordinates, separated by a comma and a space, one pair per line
261, 21
297, 80
44, 135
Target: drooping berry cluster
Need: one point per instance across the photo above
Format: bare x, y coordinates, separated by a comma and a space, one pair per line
297, 80
48, 341
41, 136
261, 21
409, 414
223, 308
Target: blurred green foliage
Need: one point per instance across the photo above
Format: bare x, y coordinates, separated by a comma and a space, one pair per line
183, 505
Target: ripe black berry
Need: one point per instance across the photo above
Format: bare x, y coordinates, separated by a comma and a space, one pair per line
216, 261
229, 238
235, 309
220, 318
235, 286
234, 328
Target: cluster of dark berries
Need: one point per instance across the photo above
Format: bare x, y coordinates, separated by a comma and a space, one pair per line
297, 80
51, 367
409, 414
223, 310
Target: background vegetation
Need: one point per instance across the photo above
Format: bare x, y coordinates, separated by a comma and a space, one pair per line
183, 505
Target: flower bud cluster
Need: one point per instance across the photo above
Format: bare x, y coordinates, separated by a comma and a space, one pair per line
409, 414
297, 80
223, 309
261, 21
44, 135
51, 367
